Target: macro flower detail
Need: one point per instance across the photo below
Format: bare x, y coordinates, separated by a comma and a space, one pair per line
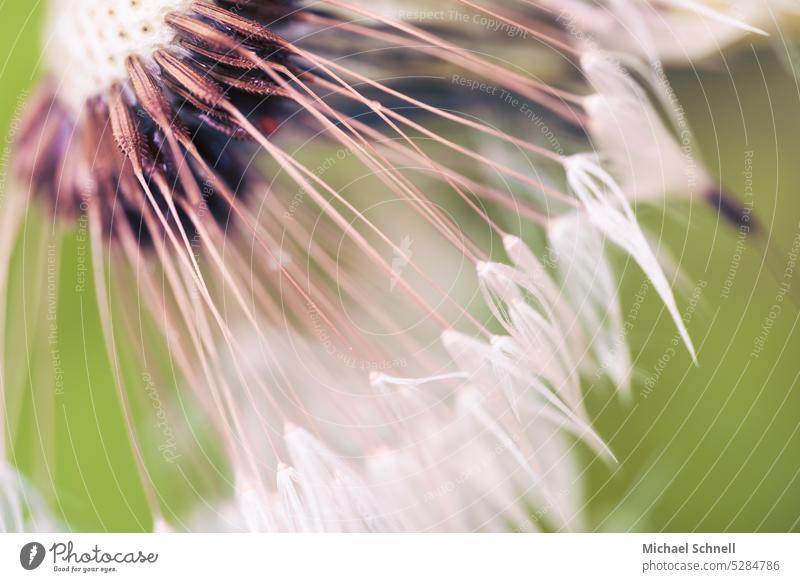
155, 119
252, 173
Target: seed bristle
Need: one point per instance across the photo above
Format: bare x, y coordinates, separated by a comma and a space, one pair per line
218, 57
245, 27
151, 97
190, 79
126, 128
202, 33
250, 84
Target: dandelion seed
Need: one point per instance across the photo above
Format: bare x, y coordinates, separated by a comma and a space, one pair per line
647, 161
609, 211
590, 284
294, 513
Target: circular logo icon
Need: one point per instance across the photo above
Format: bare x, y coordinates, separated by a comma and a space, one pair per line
31, 555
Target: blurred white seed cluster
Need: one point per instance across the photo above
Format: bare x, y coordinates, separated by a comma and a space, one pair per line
676, 32
21, 508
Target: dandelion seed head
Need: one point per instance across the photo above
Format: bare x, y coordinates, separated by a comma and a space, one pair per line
89, 41
140, 113
150, 108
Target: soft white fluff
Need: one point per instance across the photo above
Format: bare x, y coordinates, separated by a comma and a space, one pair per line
591, 286
87, 41
21, 508
673, 31
640, 151
610, 212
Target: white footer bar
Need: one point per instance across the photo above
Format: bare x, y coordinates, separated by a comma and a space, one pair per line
406, 558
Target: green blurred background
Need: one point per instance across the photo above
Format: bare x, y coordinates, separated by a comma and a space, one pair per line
708, 448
